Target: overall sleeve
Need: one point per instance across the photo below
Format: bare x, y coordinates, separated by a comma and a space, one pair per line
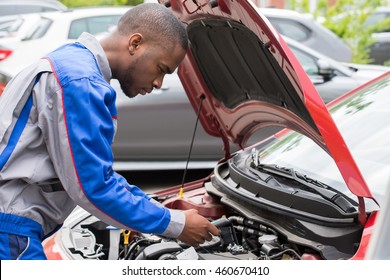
79, 124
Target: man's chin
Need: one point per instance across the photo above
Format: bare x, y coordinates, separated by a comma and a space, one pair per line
129, 93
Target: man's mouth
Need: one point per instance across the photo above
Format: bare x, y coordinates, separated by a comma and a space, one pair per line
144, 91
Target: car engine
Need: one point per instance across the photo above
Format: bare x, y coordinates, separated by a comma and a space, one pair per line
248, 231
240, 239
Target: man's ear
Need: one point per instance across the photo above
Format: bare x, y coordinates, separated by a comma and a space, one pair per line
135, 41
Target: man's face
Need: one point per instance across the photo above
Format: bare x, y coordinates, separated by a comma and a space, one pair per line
147, 69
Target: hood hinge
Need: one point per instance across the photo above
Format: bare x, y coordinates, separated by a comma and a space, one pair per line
362, 211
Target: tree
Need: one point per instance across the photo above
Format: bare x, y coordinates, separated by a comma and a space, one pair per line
348, 19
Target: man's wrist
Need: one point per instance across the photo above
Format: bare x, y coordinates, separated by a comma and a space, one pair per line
176, 224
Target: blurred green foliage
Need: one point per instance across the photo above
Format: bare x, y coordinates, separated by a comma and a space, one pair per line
347, 19
84, 3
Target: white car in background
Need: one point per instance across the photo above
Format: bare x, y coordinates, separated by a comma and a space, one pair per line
10, 25
12, 31
15, 7
52, 29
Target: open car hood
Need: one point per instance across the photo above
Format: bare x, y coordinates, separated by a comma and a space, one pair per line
243, 77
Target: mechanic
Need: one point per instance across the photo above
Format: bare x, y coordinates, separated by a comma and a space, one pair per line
57, 124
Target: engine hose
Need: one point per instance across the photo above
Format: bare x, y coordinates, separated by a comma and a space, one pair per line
248, 230
252, 224
286, 251
131, 251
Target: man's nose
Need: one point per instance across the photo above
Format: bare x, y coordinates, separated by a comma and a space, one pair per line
157, 83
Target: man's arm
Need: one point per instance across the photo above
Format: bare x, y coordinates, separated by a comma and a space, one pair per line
78, 128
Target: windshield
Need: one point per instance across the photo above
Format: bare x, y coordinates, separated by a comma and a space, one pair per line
363, 120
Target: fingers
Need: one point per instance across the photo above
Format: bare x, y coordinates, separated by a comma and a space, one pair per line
202, 240
209, 237
213, 229
197, 229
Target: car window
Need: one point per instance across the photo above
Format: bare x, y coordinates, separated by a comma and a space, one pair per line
93, 25
308, 63
10, 25
38, 30
291, 29
377, 18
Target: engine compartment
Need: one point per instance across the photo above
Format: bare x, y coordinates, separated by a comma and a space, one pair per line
240, 239
246, 234
250, 229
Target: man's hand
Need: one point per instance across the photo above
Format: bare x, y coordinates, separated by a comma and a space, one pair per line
197, 229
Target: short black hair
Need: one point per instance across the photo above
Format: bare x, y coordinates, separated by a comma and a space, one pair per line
155, 22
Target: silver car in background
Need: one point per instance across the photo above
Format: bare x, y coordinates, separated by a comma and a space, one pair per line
302, 27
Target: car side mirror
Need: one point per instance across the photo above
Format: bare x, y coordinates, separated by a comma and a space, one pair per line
325, 70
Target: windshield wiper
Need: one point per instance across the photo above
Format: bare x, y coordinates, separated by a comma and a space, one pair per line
271, 172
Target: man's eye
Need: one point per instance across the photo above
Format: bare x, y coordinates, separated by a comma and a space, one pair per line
163, 70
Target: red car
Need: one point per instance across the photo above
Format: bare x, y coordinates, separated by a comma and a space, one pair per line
297, 195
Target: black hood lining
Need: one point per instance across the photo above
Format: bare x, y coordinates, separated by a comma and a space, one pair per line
238, 67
